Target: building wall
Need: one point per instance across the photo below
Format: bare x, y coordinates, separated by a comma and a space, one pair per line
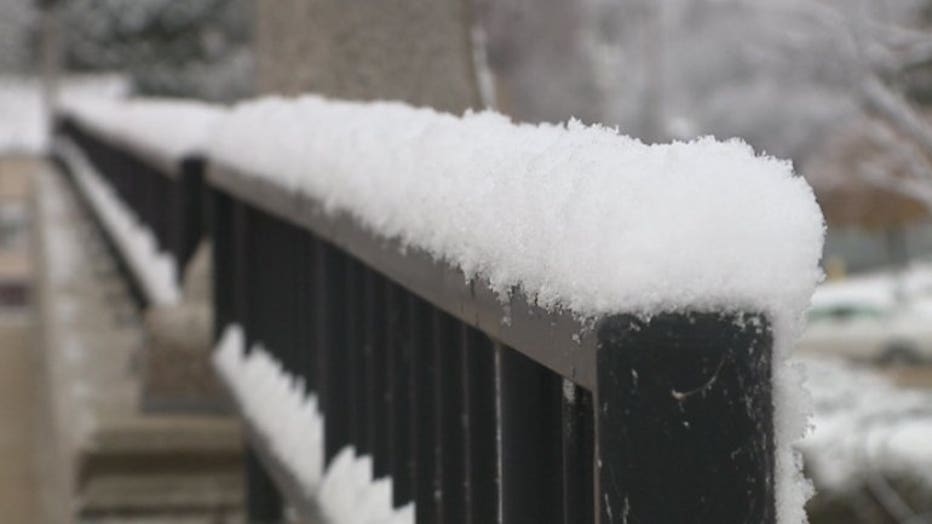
418, 51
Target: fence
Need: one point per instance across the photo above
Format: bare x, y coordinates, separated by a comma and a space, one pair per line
480, 419
165, 194
479, 411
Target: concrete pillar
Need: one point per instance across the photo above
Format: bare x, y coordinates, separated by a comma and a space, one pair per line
418, 51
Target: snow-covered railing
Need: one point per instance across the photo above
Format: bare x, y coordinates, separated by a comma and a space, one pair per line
461, 319
150, 153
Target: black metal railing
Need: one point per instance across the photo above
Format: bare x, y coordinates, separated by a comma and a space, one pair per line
165, 194
486, 412
479, 411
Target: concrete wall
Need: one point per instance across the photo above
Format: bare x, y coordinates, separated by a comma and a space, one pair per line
413, 50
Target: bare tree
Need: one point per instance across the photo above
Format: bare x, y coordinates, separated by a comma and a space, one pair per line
776, 72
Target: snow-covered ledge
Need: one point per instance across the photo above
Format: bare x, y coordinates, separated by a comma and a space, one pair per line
557, 226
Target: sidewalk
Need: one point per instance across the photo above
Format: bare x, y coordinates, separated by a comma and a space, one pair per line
19, 388
18, 410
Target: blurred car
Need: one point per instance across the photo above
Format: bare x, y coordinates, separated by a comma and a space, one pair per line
869, 324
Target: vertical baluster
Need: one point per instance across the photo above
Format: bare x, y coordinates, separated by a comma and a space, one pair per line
479, 377
443, 325
264, 502
531, 433
399, 353
578, 455
333, 370
249, 261
192, 209
240, 252
283, 319
172, 211
377, 375
304, 288
354, 321
453, 419
224, 283
424, 417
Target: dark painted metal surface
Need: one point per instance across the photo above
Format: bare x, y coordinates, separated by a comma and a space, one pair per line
578, 454
424, 416
483, 486
684, 418
136, 288
532, 441
377, 377
399, 350
264, 504
333, 385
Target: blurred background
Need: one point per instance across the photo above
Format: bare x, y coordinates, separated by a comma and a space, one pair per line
842, 88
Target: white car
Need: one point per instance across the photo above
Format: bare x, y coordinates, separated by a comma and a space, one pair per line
869, 328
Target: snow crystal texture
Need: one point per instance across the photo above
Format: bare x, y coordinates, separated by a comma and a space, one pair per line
579, 217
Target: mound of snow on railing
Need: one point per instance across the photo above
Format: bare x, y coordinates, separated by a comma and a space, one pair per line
293, 431
164, 128
578, 217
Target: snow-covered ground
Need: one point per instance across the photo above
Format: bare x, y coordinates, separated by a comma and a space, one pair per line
881, 288
863, 426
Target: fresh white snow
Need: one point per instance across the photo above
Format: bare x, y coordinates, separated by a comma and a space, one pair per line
164, 128
882, 289
157, 271
294, 429
578, 217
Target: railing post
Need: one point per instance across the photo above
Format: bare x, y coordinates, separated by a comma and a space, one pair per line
190, 185
684, 419
263, 501
578, 445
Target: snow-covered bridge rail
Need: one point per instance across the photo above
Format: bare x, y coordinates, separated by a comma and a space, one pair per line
426, 318
149, 155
